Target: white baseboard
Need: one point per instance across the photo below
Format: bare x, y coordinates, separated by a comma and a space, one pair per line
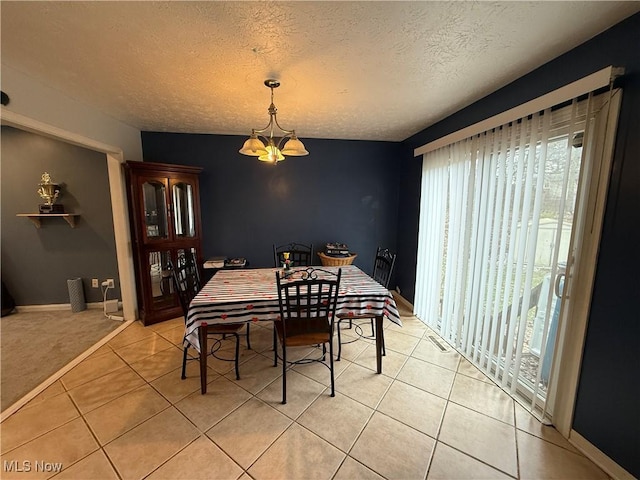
400, 299
58, 307
596, 456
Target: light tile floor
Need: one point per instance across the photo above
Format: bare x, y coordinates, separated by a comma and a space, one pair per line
125, 413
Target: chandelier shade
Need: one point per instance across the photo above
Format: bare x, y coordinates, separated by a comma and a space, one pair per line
253, 146
265, 146
294, 148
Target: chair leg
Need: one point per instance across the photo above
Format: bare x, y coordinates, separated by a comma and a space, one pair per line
248, 341
339, 342
237, 356
284, 374
333, 387
275, 347
184, 364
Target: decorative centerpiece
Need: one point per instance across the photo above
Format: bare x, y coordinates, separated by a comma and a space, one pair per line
336, 254
50, 192
287, 264
337, 250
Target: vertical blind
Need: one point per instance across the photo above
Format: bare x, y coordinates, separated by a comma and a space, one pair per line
481, 206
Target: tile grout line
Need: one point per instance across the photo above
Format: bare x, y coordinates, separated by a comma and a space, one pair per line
201, 433
375, 410
441, 422
146, 383
95, 438
67, 391
170, 406
467, 454
515, 439
265, 450
455, 448
295, 420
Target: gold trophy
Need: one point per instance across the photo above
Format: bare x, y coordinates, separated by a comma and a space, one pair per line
49, 192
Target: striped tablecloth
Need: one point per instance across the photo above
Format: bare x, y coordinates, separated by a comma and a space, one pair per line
250, 295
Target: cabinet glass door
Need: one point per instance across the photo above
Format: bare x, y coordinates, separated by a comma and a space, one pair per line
160, 277
184, 217
155, 209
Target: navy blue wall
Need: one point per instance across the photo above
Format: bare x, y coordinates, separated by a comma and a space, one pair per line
606, 411
344, 191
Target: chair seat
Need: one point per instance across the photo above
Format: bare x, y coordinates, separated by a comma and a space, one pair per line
313, 331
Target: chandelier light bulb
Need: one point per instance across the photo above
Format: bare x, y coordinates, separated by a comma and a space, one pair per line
273, 155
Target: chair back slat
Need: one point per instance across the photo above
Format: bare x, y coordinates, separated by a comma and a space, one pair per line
383, 266
300, 254
186, 279
306, 294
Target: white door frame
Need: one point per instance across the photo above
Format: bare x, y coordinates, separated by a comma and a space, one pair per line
117, 187
575, 328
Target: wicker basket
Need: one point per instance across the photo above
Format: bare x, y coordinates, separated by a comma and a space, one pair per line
328, 261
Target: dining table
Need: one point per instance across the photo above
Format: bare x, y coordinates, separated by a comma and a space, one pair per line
251, 295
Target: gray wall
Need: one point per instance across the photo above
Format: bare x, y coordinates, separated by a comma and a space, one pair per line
36, 263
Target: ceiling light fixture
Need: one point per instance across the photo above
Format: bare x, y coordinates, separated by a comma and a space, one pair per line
268, 148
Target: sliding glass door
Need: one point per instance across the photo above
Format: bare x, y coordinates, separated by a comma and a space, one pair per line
497, 241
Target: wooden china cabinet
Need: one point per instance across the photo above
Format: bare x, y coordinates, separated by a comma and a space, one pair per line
164, 211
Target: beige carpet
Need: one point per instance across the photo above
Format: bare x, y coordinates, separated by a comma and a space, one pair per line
35, 345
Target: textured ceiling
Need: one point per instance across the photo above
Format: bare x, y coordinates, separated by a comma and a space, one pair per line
351, 70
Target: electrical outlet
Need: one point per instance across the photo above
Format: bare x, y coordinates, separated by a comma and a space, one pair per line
94, 282
110, 283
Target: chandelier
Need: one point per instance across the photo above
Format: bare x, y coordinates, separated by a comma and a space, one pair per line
262, 143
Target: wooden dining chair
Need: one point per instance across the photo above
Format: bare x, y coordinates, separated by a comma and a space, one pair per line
307, 300
186, 282
382, 269
301, 255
